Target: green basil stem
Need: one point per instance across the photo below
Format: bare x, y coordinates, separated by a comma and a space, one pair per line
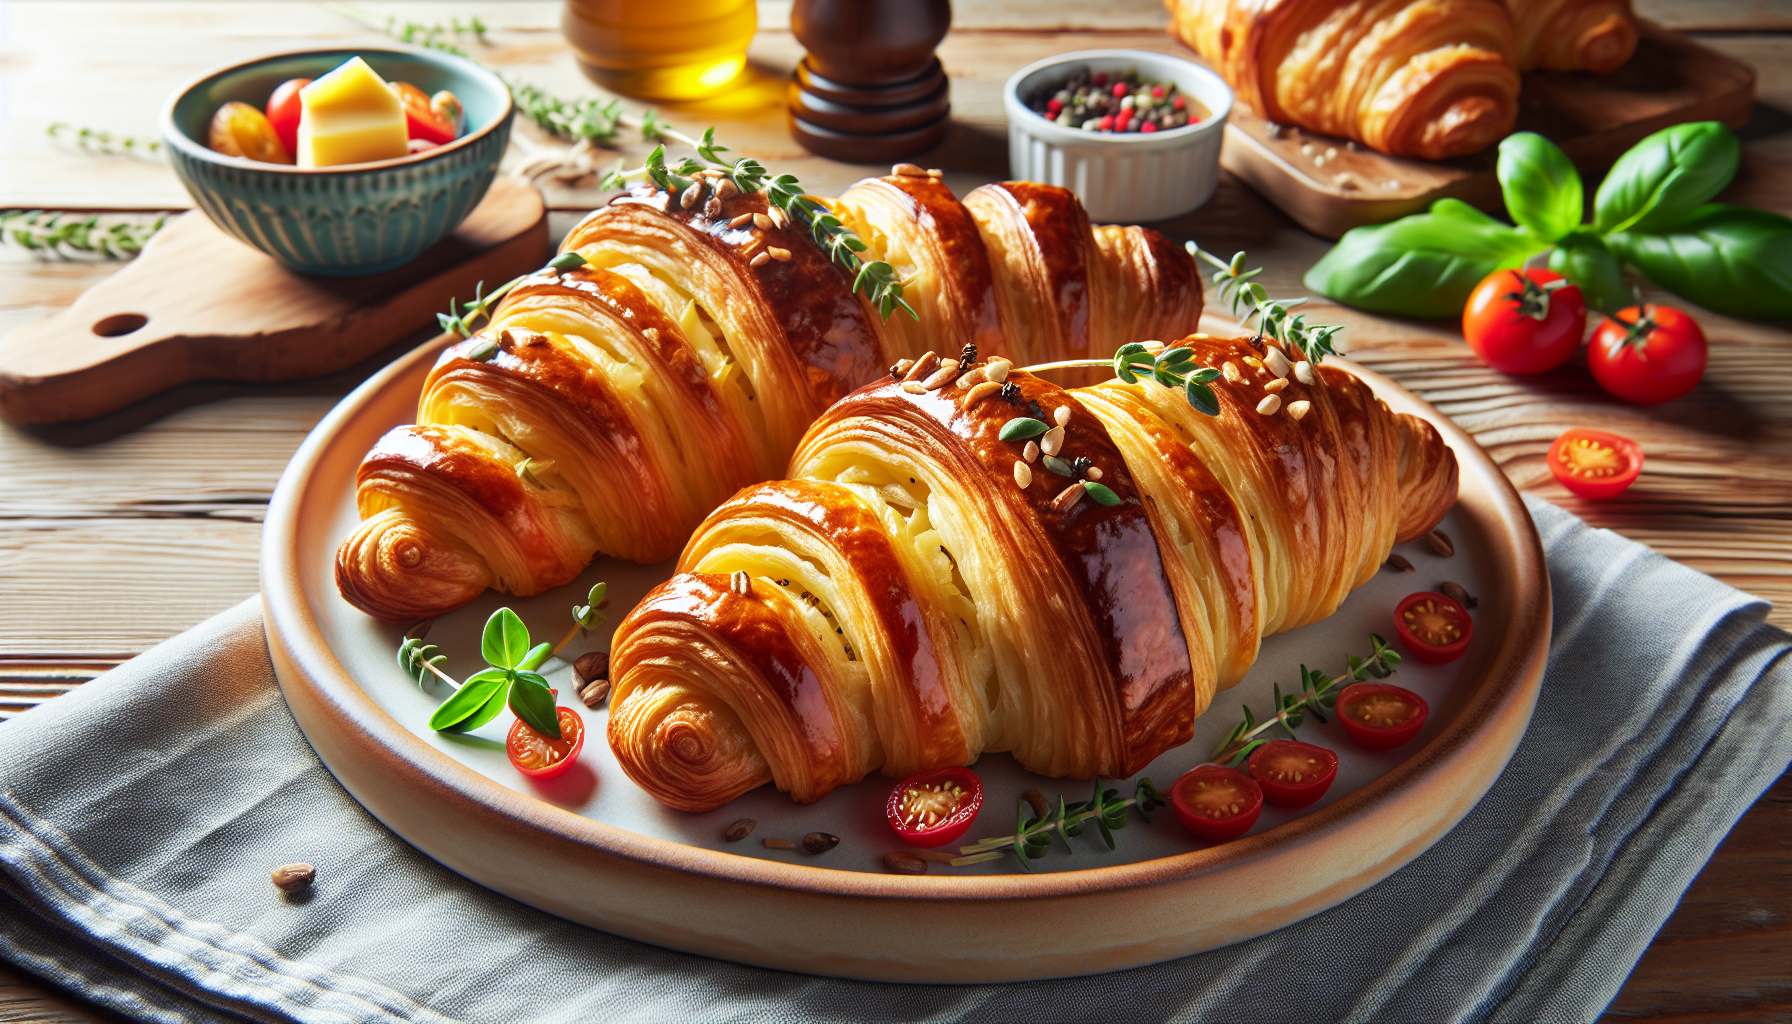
460, 320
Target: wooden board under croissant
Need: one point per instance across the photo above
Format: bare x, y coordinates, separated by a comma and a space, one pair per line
592, 847
1330, 185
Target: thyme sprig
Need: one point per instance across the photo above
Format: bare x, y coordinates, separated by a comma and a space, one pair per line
1033, 835
509, 680
1317, 691
1274, 317
95, 141
433, 36
585, 617
876, 280
60, 233
462, 320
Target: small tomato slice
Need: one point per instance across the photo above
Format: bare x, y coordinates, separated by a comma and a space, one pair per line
1292, 773
1433, 626
420, 121
935, 808
1594, 464
1647, 355
1380, 716
1216, 803
1524, 322
540, 757
239, 129
284, 110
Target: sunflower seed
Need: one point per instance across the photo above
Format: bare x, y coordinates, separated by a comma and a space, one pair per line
1277, 363
1299, 409
998, 370
739, 582
1455, 592
741, 829
1275, 386
913, 387
1061, 415
1440, 543
1068, 497
1303, 372
1031, 451
1270, 405
725, 189
924, 366
907, 171
940, 378
820, 842
595, 693
1052, 441
1023, 475
759, 260
762, 222
294, 877
690, 196
781, 255
1398, 563
905, 863
980, 392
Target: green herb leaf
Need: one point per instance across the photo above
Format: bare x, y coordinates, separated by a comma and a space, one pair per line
1583, 259
506, 640
1102, 494
1424, 265
468, 708
1731, 259
416, 657
533, 702
1202, 397
1666, 178
1541, 187
537, 654
1022, 428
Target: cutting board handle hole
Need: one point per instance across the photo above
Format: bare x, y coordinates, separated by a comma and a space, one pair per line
119, 324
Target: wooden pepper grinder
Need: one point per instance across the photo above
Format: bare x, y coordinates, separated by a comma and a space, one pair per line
870, 89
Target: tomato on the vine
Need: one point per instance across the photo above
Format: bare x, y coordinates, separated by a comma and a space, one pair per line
1524, 322
1648, 354
543, 757
935, 808
284, 109
1216, 803
1380, 716
1433, 626
1594, 464
421, 121
1292, 773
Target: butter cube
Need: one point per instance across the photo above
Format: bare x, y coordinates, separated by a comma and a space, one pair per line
350, 116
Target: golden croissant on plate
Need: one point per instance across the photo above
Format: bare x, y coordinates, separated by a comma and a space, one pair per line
921, 591
608, 408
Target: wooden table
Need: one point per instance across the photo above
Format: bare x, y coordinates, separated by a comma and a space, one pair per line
117, 534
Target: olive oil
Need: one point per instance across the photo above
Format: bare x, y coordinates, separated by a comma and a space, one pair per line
661, 49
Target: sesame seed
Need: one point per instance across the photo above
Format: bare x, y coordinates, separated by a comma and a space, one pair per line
940, 378
901, 367
1031, 451
935, 172
725, 189
924, 366
762, 222
1093, 473
781, 255
759, 260
739, 583
1061, 415
1253, 362
913, 387
1231, 373
980, 392
974, 377
1270, 405
1276, 385
1277, 363
741, 221
1023, 475
1068, 497
689, 197
1052, 441
1299, 409
778, 216
713, 208
1303, 372
908, 171
998, 370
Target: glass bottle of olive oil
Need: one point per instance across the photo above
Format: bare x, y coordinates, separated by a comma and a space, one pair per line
661, 49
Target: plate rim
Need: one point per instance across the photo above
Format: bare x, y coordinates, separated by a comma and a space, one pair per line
314, 681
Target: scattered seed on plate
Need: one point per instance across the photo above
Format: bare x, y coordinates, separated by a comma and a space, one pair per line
595, 693
1270, 405
741, 829
1398, 562
820, 842
592, 665
1440, 543
1023, 475
779, 844
1299, 409
1455, 592
294, 877
903, 863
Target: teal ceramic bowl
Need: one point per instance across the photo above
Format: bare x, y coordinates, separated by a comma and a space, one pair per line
354, 219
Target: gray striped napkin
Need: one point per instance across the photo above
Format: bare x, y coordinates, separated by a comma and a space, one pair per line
140, 815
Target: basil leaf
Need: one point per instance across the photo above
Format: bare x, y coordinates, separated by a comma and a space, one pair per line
1666, 177
462, 711
1542, 188
506, 640
533, 702
1424, 265
1586, 262
1730, 259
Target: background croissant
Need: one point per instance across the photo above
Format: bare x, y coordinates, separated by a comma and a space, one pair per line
609, 408
922, 591
1574, 35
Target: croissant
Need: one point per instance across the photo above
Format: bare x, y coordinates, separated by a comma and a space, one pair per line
1422, 78
610, 407
1574, 35
921, 591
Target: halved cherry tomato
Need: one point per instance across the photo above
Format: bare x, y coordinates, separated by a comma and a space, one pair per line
1293, 774
934, 808
420, 121
1433, 626
539, 757
1647, 355
1594, 464
238, 129
1524, 322
284, 110
1216, 803
1380, 716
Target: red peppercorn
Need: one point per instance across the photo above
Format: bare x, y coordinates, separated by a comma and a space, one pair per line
1148, 127
1099, 78
1054, 106
1106, 124
1119, 89
1157, 92
1178, 103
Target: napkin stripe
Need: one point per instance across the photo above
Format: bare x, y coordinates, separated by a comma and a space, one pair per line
49, 873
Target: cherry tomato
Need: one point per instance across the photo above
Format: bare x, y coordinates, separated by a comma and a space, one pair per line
1293, 774
238, 129
1379, 716
1647, 355
539, 757
420, 121
934, 808
1433, 626
284, 109
1216, 803
1524, 322
1594, 464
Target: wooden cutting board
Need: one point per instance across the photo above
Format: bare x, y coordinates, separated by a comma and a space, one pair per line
200, 305
1330, 187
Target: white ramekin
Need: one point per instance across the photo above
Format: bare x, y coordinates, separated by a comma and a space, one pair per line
1127, 176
